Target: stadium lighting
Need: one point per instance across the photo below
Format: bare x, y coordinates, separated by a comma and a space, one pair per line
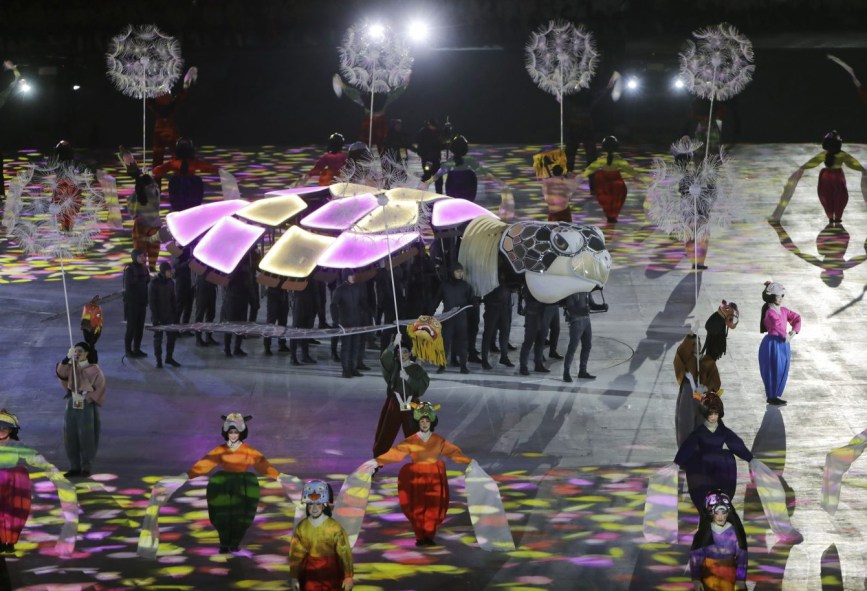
418, 31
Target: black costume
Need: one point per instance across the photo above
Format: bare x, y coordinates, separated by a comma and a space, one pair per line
135, 303
164, 310
304, 309
236, 300
349, 308
456, 293
206, 307
534, 332
498, 318
277, 312
184, 293
429, 146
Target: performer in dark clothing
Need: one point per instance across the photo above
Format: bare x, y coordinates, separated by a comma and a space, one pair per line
236, 300
429, 146
421, 285
304, 309
164, 310
206, 308
349, 308
409, 379
551, 329
534, 334
708, 466
498, 319
717, 327
277, 310
385, 314
184, 293
135, 303
456, 293
577, 308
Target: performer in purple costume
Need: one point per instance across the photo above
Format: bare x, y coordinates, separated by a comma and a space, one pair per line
718, 558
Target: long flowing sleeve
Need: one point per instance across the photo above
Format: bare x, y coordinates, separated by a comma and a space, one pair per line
850, 161
741, 558
624, 167
396, 453
343, 550
594, 166
687, 449
814, 161
207, 463
696, 558
65, 493
297, 552
736, 445
263, 466
454, 453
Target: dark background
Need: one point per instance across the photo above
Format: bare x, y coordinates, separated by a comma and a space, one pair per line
265, 69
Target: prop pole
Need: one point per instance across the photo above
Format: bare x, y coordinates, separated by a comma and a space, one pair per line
143, 132
394, 298
560, 66
370, 134
68, 321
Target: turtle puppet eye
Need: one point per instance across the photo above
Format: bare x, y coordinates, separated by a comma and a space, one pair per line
567, 241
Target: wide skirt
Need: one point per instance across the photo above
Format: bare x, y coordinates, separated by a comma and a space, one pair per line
774, 356
833, 194
14, 503
423, 491
610, 191
321, 573
232, 501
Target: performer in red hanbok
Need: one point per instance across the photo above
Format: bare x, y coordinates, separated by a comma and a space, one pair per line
329, 165
607, 172
164, 109
832, 182
422, 486
186, 189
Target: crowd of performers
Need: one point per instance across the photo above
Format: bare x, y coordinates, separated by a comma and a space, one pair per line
320, 556
707, 448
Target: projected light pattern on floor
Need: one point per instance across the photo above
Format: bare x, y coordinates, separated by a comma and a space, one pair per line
595, 512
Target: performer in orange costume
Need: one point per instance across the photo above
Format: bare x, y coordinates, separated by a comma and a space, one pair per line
233, 493
422, 486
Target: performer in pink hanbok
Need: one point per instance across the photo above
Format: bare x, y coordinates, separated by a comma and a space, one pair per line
775, 352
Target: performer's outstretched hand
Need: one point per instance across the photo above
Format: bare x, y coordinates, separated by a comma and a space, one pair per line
347, 584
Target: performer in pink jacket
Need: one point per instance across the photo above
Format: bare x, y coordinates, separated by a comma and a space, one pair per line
774, 351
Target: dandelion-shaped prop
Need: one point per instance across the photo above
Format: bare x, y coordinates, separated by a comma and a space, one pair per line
561, 59
374, 59
143, 62
717, 65
53, 211
690, 198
